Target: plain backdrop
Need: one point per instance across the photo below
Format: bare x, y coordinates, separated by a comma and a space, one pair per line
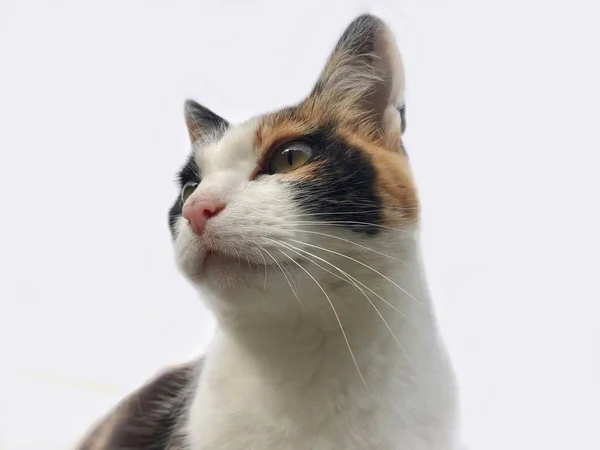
503, 123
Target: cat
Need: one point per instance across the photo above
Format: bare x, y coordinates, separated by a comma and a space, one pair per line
300, 228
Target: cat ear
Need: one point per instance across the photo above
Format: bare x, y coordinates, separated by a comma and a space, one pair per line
364, 78
201, 120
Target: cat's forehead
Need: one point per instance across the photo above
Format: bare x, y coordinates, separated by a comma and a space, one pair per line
246, 145
231, 150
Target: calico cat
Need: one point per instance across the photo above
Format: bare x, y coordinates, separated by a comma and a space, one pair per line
300, 228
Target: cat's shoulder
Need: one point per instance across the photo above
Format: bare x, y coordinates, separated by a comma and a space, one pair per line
151, 417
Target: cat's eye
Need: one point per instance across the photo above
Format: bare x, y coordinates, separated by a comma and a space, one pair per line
187, 190
289, 157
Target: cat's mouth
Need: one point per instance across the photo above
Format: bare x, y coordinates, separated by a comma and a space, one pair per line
203, 260
218, 263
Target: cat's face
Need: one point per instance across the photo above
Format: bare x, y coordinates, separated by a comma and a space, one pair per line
327, 177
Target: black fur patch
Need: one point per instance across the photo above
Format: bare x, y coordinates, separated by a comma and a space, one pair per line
343, 189
189, 172
204, 125
402, 111
150, 417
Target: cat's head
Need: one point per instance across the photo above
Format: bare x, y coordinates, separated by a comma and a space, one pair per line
267, 202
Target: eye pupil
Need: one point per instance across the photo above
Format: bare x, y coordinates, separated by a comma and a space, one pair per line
290, 157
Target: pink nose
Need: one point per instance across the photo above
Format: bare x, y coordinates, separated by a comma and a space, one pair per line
198, 214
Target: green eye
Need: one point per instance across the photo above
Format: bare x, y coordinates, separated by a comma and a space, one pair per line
187, 190
289, 157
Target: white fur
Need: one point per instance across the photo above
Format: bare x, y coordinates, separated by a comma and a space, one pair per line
279, 374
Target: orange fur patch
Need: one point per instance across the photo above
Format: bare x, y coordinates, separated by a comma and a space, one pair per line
395, 184
394, 179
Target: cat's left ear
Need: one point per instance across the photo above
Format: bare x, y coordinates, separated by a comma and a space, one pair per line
202, 122
363, 80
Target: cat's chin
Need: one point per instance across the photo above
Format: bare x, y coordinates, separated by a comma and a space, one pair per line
221, 263
216, 268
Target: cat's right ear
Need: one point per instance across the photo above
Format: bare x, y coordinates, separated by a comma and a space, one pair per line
363, 81
201, 121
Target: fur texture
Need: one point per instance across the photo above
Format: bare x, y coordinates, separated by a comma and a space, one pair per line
326, 336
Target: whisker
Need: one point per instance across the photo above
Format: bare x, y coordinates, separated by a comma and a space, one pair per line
259, 251
350, 242
293, 277
291, 247
286, 279
368, 267
386, 325
334, 312
346, 222
296, 250
366, 296
353, 204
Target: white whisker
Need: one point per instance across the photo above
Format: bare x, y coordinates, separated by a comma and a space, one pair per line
260, 250
334, 312
349, 242
374, 210
368, 267
346, 222
286, 279
293, 248
366, 296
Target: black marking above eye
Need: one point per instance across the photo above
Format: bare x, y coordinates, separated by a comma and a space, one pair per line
189, 174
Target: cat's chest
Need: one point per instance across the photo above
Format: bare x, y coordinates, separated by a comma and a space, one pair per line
252, 417
246, 432
254, 429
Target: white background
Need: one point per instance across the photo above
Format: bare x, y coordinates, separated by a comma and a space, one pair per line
503, 125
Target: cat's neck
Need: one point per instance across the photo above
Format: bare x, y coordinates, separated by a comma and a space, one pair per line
389, 314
